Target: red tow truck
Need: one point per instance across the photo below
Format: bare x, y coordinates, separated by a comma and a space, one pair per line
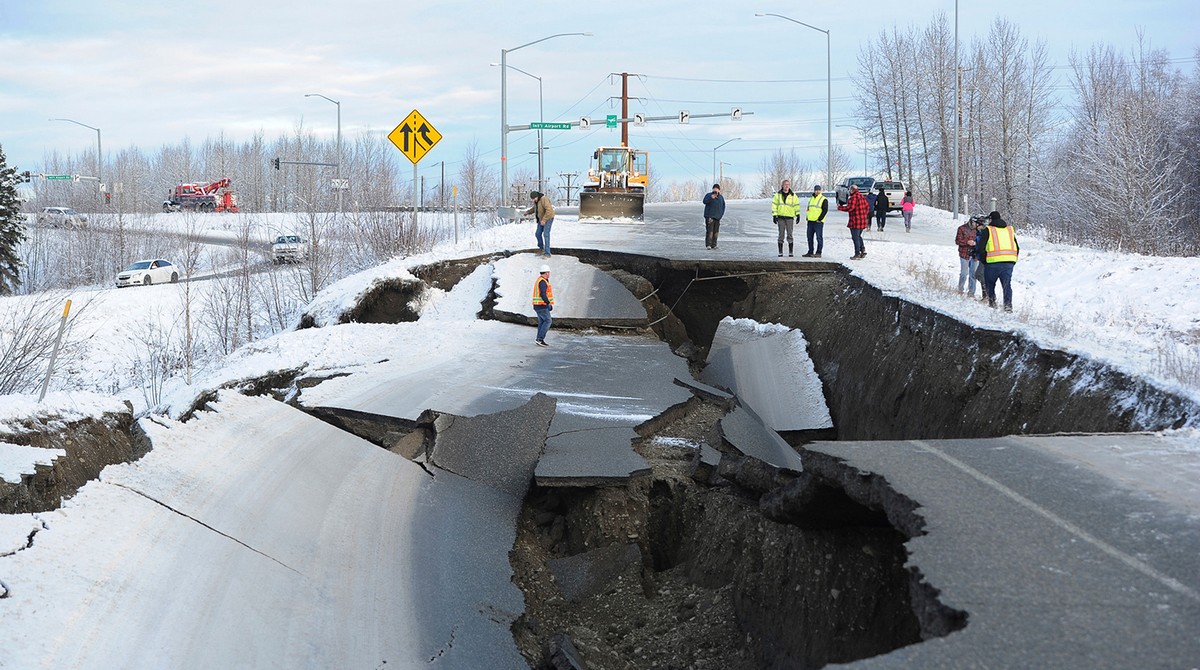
213, 197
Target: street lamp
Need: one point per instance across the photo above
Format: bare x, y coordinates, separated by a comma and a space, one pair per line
957, 118
863, 135
504, 111
541, 117
715, 155
339, 145
828, 93
721, 177
99, 157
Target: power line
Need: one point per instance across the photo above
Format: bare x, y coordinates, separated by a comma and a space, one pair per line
746, 81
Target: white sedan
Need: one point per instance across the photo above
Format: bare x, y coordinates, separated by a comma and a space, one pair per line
153, 271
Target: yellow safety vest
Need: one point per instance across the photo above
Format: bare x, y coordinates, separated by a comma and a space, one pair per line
1001, 245
537, 294
814, 206
785, 206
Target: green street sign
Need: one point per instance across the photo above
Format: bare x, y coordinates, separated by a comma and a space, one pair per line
58, 177
539, 125
610, 121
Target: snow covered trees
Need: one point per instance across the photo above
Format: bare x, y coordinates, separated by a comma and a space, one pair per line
1126, 150
1118, 170
12, 228
906, 98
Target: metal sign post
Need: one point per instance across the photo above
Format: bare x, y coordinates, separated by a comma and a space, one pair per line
414, 137
54, 352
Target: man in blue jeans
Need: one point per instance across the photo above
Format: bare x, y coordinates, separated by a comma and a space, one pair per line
1000, 252
818, 207
543, 213
543, 304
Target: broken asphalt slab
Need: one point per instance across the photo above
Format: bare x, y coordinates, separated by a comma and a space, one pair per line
604, 386
257, 536
1058, 557
584, 295
500, 450
746, 432
767, 366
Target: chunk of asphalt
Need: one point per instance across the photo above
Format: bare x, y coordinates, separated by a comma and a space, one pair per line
705, 462
500, 449
743, 429
704, 390
589, 573
562, 653
769, 369
592, 457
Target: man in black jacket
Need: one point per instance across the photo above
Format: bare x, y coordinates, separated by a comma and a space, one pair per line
714, 209
881, 208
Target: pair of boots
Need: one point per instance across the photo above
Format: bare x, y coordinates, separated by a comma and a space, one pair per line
789, 249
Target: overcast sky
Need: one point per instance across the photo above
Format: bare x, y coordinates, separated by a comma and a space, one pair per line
151, 73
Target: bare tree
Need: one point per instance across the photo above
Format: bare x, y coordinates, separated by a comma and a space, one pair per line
779, 166
478, 182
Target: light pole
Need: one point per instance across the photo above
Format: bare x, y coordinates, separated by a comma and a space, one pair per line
957, 119
863, 136
339, 145
542, 118
504, 111
715, 155
99, 157
721, 177
828, 93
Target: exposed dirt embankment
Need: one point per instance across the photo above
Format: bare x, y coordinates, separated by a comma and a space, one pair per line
892, 369
91, 444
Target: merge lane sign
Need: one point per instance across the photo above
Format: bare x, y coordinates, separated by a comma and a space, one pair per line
414, 137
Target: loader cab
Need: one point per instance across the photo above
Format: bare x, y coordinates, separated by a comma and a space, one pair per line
612, 160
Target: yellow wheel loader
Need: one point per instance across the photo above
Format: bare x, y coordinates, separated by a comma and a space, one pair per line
615, 189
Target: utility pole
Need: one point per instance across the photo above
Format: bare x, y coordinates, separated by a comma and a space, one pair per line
568, 176
625, 108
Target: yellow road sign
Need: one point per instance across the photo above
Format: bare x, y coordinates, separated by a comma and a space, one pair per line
414, 137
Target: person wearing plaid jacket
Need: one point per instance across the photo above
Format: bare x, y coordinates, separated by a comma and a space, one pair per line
860, 215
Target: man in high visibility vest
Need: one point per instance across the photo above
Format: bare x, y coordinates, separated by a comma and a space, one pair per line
784, 206
818, 207
1000, 251
543, 303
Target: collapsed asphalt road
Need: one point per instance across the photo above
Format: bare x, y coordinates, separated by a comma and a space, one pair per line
383, 531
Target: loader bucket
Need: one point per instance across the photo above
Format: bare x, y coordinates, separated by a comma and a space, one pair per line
600, 206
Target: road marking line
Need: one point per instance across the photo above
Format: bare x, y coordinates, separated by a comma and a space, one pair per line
1130, 561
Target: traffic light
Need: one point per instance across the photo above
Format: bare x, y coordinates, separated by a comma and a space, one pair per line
26, 176
276, 163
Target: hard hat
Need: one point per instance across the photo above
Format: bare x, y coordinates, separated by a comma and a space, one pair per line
545, 268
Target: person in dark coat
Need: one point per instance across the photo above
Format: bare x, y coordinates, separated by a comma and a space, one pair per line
714, 209
881, 208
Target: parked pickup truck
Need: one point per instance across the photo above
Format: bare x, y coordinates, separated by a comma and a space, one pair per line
61, 216
864, 184
894, 190
289, 249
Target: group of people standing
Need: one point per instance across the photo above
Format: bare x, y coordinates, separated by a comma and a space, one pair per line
785, 208
987, 253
